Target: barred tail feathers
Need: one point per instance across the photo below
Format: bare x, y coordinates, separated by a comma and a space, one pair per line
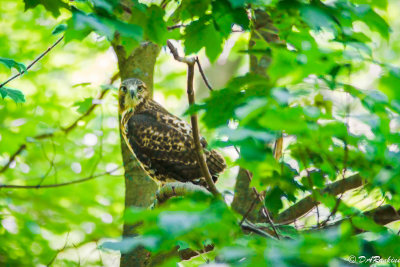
215, 162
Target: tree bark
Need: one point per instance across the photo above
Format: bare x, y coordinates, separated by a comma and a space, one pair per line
139, 188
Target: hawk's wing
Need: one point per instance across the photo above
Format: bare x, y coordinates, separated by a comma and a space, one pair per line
164, 145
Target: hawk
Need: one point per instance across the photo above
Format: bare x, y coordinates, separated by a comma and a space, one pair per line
160, 141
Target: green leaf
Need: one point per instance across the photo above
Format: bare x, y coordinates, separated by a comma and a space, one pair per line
156, 26
81, 24
225, 16
366, 224
53, 6
106, 6
373, 20
81, 84
202, 33
389, 83
273, 200
318, 19
60, 28
84, 105
190, 9
15, 95
10, 63
243, 3
130, 243
382, 4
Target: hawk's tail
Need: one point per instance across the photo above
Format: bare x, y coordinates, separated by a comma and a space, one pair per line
215, 162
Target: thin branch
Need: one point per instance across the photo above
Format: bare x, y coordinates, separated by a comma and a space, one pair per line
12, 158
90, 110
66, 130
196, 136
313, 191
253, 203
190, 61
174, 52
203, 74
59, 251
345, 158
176, 27
334, 210
60, 184
33, 62
253, 228
260, 199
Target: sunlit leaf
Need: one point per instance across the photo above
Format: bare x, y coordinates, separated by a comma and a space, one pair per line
15, 95
10, 63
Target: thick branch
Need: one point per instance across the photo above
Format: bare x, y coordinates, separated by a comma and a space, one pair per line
33, 62
57, 185
176, 189
308, 203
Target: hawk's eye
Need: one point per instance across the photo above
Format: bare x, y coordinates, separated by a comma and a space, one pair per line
123, 89
140, 88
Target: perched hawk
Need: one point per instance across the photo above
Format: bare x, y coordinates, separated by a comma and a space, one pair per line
162, 142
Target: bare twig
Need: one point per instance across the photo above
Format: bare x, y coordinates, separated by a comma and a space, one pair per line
253, 228
176, 27
258, 196
66, 130
313, 191
87, 113
12, 158
203, 74
190, 61
59, 251
60, 184
196, 136
253, 203
33, 62
260, 199
334, 210
174, 52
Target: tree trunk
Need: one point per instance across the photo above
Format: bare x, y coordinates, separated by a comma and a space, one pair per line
139, 188
244, 195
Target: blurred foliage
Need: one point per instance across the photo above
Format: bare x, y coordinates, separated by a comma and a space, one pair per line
331, 88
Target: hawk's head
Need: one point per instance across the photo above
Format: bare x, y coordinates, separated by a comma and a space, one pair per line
131, 93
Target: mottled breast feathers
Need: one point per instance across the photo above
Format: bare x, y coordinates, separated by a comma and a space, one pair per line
164, 145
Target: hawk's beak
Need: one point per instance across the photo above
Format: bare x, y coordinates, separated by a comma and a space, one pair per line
132, 93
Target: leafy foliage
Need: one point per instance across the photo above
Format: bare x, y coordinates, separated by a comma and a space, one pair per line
15, 95
323, 74
53, 6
